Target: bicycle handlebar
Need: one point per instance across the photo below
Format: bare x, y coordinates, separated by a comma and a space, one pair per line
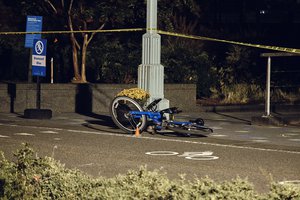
153, 103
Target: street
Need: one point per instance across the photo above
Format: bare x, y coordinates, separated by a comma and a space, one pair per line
99, 149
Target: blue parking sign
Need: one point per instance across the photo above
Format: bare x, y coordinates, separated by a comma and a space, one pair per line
39, 57
33, 24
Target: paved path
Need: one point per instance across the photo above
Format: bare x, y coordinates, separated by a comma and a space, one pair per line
94, 145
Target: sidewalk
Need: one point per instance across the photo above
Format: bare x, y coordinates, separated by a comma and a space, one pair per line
227, 126
239, 126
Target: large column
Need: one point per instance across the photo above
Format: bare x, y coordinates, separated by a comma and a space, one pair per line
151, 72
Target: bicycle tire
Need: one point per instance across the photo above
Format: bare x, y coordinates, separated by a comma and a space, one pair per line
190, 129
119, 109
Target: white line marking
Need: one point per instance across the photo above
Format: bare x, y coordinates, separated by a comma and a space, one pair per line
24, 134
79, 120
216, 128
86, 165
206, 155
188, 142
260, 140
54, 132
162, 153
241, 131
74, 123
4, 136
294, 140
163, 139
61, 117
293, 182
219, 135
291, 134
295, 130
33, 127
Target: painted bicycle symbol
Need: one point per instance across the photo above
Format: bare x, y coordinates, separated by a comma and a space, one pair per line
39, 47
205, 155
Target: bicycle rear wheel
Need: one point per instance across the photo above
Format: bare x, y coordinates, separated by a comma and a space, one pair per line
120, 113
189, 129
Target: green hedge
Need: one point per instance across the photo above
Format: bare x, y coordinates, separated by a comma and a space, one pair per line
31, 177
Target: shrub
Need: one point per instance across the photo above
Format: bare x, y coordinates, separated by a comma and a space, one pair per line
238, 94
31, 177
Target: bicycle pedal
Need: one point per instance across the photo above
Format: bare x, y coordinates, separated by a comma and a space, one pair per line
151, 130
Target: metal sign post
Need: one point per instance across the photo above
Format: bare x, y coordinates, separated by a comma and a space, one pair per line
268, 89
38, 70
39, 66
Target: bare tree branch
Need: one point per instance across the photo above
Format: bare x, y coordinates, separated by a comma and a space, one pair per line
71, 25
92, 35
52, 6
63, 4
70, 7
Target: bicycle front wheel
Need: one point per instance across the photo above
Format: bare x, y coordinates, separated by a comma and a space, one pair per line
120, 113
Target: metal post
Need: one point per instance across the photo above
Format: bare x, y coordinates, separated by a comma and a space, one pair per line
268, 90
38, 93
30, 66
151, 72
51, 70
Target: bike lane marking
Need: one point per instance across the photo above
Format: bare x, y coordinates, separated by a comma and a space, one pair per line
159, 139
200, 156
162, 153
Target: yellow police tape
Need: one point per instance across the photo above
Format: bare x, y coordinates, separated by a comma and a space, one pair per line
65, 32
284, 49
275, 48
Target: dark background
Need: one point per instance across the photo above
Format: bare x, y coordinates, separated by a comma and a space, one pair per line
114, 57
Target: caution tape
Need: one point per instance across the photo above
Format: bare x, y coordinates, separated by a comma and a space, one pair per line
84, 31
275, 48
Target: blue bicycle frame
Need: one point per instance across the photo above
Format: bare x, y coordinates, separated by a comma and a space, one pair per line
156, 118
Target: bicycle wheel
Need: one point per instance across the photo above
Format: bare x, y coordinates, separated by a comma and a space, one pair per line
189, 129
119, 111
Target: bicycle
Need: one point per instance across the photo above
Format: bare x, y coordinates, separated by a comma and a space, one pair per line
129, 116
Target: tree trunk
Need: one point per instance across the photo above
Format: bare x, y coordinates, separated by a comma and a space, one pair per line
77, 77
75, 47
83, 59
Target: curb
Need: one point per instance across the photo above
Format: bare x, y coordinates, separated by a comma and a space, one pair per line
241, 108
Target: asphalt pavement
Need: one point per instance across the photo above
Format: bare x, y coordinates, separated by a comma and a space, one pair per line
93, 144
227, 126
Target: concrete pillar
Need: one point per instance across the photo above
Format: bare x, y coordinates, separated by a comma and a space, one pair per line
151, 72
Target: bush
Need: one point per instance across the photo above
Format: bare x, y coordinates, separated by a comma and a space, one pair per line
239, 94
31, 177
243, 93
